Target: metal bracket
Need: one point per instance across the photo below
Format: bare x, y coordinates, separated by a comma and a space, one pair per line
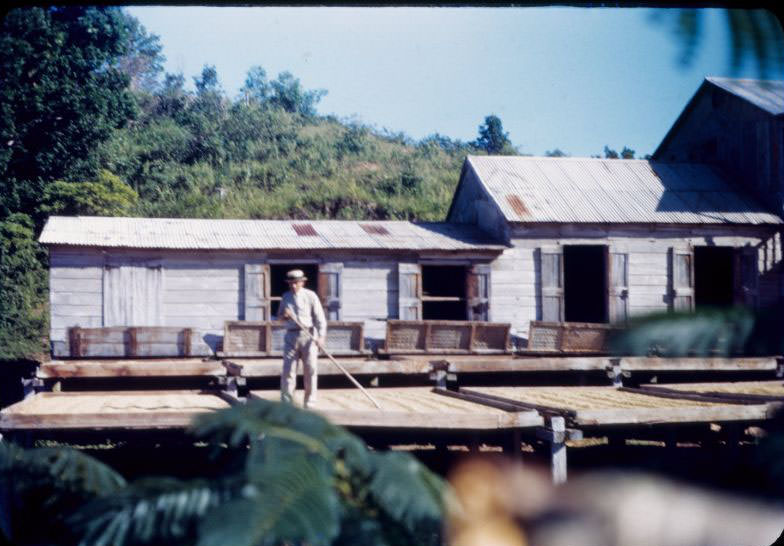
31, 386
615, 373
441, 374
231, 384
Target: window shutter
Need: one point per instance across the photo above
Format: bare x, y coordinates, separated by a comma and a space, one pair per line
330, 289
681, 279
409, 282
478, 292
746, 277
551, 278
257, 292
618, 289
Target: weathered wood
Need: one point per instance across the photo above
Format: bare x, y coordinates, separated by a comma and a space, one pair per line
121, 341
743, 392
109, 410
698, 364
558, 449
445, 336
410, 408
568, 337
356, 366
190, 367
265, 338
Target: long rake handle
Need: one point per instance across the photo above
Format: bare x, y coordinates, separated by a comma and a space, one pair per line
332, 359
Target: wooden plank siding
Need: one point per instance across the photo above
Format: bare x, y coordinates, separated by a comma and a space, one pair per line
516, 273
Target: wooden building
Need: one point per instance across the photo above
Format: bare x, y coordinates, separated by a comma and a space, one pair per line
598, 240
738, 125
526, 238
197, 274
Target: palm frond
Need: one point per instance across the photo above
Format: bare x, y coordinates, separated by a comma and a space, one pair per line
406, 490
288, 501
151, 511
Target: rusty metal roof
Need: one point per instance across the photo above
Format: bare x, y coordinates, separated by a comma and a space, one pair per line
588, 190
765, 94
182, 233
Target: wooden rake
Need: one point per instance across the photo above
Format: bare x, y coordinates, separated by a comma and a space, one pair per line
291, 317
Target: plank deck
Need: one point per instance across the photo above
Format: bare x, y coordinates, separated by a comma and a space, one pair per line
611, 406
271, 367
410, 408
109, 410
123, 367
698, 364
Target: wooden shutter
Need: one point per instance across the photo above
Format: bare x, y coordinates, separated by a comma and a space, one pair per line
257, 292
746, 273
551, 278
478, 292
681, 279
618, 287
329, 289
409, 282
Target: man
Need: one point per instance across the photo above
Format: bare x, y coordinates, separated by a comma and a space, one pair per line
304, 305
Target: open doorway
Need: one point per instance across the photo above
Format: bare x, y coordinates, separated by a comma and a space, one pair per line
714, 277
585, 283
278, 283
444, 292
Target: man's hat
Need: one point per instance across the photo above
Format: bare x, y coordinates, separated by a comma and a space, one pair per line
295, 275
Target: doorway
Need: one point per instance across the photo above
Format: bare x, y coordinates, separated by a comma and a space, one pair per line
585, 283
714, 276
444, 292
278, 283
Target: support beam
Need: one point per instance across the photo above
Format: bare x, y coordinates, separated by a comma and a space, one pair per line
558, 449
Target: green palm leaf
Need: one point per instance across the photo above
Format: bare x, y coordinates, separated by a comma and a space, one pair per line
289, 500
151, 511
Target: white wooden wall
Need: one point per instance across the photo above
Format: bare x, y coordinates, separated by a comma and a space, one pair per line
203, 290
515, 275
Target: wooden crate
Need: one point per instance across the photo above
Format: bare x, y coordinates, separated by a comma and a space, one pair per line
243, 338
446, 336
122, 341
568, 337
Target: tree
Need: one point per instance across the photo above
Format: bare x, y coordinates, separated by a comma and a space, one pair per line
106, 196
492, 137
627, 153
288, 93
143, 60
23, 290
555, 153
60, 96
257, 88
610, 153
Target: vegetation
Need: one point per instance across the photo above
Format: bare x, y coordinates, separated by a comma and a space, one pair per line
287, 476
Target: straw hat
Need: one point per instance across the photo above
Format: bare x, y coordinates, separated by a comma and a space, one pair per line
295, 275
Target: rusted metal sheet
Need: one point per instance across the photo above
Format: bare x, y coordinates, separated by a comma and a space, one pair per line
607, 191
568, 337
265, 338
121, 341
208, 234
446, 336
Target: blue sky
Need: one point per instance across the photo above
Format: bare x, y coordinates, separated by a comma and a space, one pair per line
558, 77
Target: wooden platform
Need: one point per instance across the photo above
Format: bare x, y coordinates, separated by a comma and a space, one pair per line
411, 408
271, 367
124, 367
109, 410
610, 406
761, 391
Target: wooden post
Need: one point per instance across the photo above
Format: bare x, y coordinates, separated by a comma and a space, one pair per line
558, 449
132, 348
514, 444
75, 342
186, 341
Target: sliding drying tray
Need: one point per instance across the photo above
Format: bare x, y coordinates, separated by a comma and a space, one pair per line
611, 406
94, 410
411, 408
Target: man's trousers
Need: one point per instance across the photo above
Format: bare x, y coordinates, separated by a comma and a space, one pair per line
298, 346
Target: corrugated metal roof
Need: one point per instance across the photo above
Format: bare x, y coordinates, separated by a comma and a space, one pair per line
179, 233
588, 190
766, 94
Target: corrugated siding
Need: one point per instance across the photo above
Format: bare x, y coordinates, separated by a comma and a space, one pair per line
766, 94
165, 233
586, 190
